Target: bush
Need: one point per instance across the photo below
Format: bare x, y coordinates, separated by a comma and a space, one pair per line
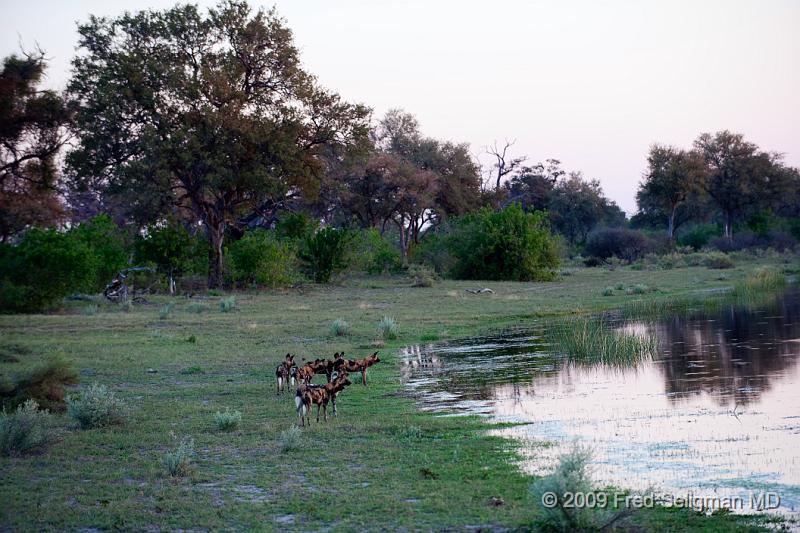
387, 328
628, 245
96, 407
571, 476
608, 291
718, 260
109, 246
179, 461
294, 226
228, 420
43, 268
226, 305
170, 248
374, 254
290, 439
44, 384
197, 307
421, 275
639, 288
325, 253
340, 328
505, 245
25, 429
261, 258
166, 311
434, 250
698, 236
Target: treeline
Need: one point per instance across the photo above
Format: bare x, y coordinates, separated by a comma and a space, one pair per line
195, 142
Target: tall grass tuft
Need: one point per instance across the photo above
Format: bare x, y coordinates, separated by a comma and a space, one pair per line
226, 305
89, 310
97, 407
387, 328
165, 311
178, 462
340, 328
196, 307
227, 421
572, 476
608, 291
592, 340
25, 429
290, 439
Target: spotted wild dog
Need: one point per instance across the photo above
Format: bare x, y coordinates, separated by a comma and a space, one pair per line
332, 366
320, 395
284, 373
360, 365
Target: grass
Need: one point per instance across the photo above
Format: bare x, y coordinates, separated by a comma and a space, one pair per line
227, 421
589, 340
340, 328
359, 471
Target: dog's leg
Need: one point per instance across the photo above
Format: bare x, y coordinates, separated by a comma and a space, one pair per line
325, 411
318, 406
364, 376
333, 400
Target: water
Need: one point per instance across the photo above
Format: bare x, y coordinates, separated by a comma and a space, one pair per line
716, 413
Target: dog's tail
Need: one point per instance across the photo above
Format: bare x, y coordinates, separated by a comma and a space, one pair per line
300, 404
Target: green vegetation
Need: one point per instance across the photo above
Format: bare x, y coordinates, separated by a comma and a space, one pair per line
260, 258
96, 407
25, 429
387, 328
372, 452
228, 420
178, 462
588, 340
340, 328
325, 253
226, 305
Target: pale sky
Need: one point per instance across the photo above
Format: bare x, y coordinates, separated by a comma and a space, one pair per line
592, 83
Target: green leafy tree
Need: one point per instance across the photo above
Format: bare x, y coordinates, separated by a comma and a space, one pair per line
504, 245
260, 258
108, 243
739, 175
325, 253
672, 176
169, 247
578, 205
209, 112
43, 268
32, 132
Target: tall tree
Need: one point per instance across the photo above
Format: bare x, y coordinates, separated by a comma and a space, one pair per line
503, 164
672, 175
211, 112
578, 205
32, 132
531, 186
739, 174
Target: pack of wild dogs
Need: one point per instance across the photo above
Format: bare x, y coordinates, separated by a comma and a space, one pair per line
336, 371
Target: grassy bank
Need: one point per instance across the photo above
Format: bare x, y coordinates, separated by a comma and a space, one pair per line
381, 465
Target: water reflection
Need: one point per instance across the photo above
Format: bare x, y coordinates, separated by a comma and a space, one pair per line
718, 410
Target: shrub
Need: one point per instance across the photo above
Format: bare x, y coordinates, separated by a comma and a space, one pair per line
192, 370
639, 288
166, 311
43, 268
109, 245
608, 291
96, 407
44, 384
340, 328
628, 245
171, 248
718, 260
698, 236
226, 305
179, 461
435, 249
228, 420
571, 475
619, 286
25, 429
387, 328
197, 307
374, 254
89, 310
325, 253
260, 258
505, 245
294, 226
421, 275
290, 439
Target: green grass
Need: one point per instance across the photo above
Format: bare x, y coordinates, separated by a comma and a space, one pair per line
380, 465
590, 340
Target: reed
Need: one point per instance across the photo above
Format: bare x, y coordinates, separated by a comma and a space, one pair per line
592, 340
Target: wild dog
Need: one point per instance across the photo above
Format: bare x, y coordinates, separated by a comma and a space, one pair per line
319, 395
360, 365
332, 366
283, 373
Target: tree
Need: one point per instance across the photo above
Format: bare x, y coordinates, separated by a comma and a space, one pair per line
672, 175
169, 247
32, 132
504, 164
738, 176
531, 186
578, 205
212, 114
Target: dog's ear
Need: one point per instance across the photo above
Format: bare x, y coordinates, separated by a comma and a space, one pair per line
376, 353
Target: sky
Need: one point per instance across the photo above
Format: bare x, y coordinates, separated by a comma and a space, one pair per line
590, 83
